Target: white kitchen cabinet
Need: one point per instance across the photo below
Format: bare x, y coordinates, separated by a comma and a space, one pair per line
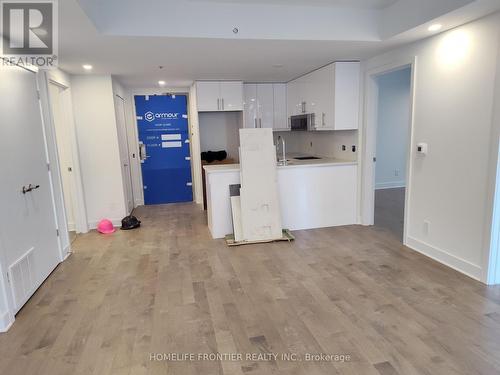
280, 113
265, 106
249, 105
215, 96
346, 103
231, 94
331, 93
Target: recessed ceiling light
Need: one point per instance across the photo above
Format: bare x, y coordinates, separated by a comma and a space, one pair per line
162, 83
87, 67
278, 65
435, 27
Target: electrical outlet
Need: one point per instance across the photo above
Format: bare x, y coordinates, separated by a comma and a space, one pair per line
427, 227
353, 148
344, 147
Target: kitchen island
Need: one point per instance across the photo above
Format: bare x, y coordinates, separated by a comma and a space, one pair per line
313, 194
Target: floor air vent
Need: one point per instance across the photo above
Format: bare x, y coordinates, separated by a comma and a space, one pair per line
21, 276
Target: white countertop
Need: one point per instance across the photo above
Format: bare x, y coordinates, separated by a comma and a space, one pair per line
292, 163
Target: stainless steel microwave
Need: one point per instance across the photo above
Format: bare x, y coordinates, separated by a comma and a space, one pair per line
302, 122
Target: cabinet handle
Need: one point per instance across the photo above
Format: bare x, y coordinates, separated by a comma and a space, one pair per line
255, 121
218, 104
323, 119
260, 123
222, 103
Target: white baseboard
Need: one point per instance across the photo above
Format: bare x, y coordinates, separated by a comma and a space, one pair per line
6, 321
390, 185
445, 258
116, 223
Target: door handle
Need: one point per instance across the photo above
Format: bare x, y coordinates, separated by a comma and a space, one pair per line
142, 152
29, 188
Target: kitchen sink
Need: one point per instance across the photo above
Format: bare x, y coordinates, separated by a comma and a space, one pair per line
306, 158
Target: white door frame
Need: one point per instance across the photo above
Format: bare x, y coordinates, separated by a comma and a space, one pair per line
127, 151
368, 141
81, 223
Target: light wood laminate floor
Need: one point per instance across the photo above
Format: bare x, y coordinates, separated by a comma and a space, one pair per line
168, 288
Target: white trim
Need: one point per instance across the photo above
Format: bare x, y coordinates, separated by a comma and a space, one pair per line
442, 256
6, 321
368, 139
390, 185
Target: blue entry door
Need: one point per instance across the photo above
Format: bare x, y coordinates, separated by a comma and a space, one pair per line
162, 122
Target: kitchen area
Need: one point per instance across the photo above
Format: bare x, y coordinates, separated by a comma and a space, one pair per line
314, 119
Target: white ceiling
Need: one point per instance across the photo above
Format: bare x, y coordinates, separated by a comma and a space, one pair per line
368, 4
117, 38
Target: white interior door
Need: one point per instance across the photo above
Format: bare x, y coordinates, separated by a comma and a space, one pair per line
124, 153
65, 153
27, 225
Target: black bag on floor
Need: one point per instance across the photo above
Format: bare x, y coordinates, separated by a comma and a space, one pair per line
130, 222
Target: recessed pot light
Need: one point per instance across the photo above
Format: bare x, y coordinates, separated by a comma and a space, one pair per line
435, 27
162, 83
87, 67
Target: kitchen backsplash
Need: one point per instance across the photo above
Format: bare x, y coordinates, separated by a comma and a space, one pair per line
322, 143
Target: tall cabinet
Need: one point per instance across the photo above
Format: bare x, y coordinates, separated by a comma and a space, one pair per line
265, 106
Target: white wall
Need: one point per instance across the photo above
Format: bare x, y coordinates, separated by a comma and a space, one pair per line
393, 128
453, 108
95, 121
321, 143
220, 131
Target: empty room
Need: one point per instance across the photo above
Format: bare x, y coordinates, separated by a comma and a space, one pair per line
250, 187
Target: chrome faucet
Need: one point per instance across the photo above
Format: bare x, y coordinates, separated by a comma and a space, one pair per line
282, 161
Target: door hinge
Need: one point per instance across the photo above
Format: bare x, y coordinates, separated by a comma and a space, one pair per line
48, 167
57, 232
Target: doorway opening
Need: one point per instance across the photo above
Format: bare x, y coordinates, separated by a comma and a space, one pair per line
392, 146
65, 153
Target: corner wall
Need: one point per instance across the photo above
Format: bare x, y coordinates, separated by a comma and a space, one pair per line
453, 106
95, 121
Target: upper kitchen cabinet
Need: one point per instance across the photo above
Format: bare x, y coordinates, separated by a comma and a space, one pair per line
265, 106
331, 93
215, 96
346, 95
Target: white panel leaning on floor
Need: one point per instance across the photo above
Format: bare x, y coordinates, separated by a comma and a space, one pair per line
260, 206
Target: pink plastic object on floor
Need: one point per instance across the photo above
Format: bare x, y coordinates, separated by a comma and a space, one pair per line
105, 226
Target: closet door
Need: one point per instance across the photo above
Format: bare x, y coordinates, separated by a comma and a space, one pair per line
30, 247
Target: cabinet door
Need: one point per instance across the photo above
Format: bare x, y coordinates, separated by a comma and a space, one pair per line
208, 96
231, 94
280, 112
323, 84
265, 109
347, 79
249, 105
294, 106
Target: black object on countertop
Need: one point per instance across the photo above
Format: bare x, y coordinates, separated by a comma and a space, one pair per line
211, 156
